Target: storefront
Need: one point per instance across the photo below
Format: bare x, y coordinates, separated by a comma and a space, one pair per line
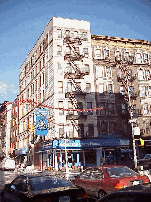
21, 155
81, 152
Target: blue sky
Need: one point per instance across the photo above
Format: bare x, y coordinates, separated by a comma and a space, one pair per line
23, 21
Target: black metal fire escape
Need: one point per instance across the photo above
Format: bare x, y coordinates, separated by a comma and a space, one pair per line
76, 73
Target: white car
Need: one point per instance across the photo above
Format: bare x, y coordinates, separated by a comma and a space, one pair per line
8, 164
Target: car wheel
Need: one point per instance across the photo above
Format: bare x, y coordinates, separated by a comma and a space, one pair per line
101, 194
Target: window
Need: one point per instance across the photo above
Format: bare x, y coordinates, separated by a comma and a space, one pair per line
43, 61
127, 55
60, 106
90, 157
81, 130
149, 91
89, 106
145, 108
96, 174
40, 81
85, 51
98, 53
108, 72
75, 34
112, 128
59, 33
70, 106
90, 130
59, 50
110, 88
87, 68
69, 87
67, 33
88, 87
61, 131
141, 75
111, 108
146, 57
84, 35
147, 72
102, 105
138, 58
106, 53
101, 88
104, 128
23, 185
123, 108
122, 90
43, 75
40, 64
142, 91
85, 174
99, 72
117, 56
60, 86
147, 128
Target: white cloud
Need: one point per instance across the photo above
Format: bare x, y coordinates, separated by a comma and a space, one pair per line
5, 90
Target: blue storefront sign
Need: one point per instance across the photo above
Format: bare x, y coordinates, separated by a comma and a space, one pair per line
41, 121
86, 144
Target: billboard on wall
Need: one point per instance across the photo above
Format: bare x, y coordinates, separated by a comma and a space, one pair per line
41, 121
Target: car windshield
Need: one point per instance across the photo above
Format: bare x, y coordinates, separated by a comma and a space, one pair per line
114, 172
47, 182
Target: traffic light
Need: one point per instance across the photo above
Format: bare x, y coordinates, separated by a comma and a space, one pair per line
32, 128
142, 142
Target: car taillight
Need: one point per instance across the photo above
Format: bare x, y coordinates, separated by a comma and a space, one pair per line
147, 180
81, 195
119, 185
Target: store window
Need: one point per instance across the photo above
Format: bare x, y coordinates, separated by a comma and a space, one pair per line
90, 157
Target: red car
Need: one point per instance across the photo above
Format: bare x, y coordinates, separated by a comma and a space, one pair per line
99, 181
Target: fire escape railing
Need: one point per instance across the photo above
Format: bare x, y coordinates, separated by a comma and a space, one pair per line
71, 58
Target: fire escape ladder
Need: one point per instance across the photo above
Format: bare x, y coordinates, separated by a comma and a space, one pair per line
74, 56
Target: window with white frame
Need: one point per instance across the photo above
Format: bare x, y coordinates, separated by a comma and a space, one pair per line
101, 87
145, 108
61, 130
85, 51
84, 35
67, 51
59, 50
75, 34
123, 108
60, 70
67, 33
87, 68
142, 91
99, 72
147, 128
138, 58
70, 106
140, 74
60, 86
88, 87
59, 33
78, 86
118, 54
98, 52
108, 72
60, 106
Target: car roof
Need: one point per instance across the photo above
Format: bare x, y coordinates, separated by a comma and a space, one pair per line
106, 166
52, 175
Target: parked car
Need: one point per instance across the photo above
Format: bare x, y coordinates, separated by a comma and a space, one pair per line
40, 188
102, 180
7, 164
136, 193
